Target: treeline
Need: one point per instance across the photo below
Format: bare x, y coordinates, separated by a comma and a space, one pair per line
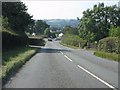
97, 22
40, 27
16, 23
99, 28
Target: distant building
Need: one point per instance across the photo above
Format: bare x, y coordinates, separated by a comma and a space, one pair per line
33, 34
60, 35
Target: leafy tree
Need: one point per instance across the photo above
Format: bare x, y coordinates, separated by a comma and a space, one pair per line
53, 34
114, 31
40, 26
95, 23
4, 22
31, 28
47, 32
70, 30
17, 15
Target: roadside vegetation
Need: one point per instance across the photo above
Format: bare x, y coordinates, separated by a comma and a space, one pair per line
110, 56
70, 46
98, 29
73, 40
13, 60
17, 29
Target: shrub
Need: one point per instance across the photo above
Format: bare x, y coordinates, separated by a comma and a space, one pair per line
114, 31
73, 40
109, 44
10, 40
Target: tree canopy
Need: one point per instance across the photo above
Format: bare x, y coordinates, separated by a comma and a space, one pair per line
95, 23
70, 30
40, 26
17, 15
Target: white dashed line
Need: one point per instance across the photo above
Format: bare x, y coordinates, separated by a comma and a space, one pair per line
68, 58
61, 52
107, 84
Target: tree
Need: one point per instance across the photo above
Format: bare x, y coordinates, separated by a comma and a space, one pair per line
47, 32
40, 26
95, 23
17, 15
4, 22
70, 30
114, 31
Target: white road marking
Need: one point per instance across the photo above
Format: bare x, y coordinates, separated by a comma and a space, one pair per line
104, 82
107, 84
68, 58
61, 52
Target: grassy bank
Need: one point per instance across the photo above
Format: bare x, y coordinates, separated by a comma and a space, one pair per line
14, 59
74, 47
110, 56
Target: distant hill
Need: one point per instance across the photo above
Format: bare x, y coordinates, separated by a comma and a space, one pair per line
61, 22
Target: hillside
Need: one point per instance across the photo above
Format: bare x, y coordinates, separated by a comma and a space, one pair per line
61, 22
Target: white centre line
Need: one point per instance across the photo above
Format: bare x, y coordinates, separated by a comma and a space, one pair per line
61, 52
68, 58
107, 84
104, 82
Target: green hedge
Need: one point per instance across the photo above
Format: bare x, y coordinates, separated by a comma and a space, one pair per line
109, 44
73, 40
11, 40
36, 41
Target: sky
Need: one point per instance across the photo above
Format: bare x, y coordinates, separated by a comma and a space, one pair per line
61, 9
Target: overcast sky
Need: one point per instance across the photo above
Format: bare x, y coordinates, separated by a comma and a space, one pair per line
61, 9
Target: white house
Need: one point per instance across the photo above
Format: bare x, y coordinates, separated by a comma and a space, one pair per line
60, 35
33, 34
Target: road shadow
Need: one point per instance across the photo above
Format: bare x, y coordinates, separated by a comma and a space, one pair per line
51, 50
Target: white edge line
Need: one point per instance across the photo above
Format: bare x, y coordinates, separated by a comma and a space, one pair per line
68, 58
96, 77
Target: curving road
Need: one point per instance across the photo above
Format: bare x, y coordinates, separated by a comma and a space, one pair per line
56, 66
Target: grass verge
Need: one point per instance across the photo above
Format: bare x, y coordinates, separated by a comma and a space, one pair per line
68, 45
110, 56
14, 59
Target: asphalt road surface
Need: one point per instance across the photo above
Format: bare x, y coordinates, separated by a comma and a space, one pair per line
56, 66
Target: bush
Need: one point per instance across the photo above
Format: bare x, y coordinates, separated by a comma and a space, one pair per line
73, 40
114, 31
109, 44
11, 40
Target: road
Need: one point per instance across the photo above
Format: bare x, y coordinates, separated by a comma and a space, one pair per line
56, 66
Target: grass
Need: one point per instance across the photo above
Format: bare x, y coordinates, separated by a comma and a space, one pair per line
13, 59
110, 56
74, 47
